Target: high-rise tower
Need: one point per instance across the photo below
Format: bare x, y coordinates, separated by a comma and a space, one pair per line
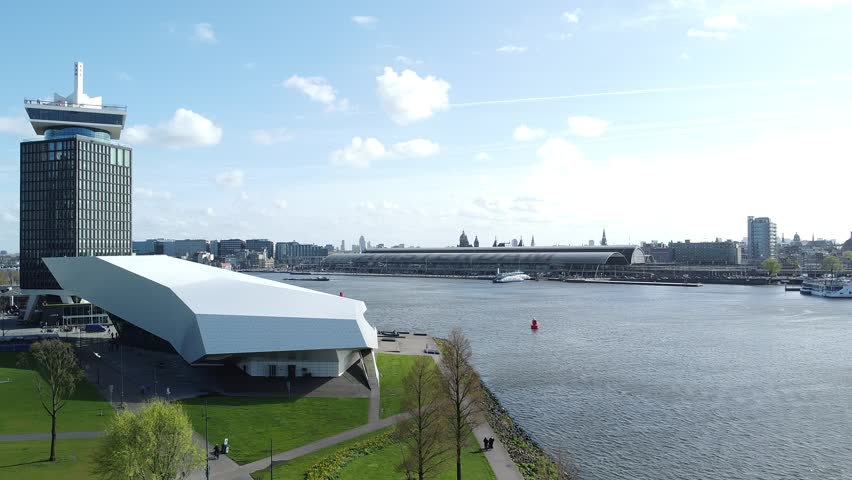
76, 183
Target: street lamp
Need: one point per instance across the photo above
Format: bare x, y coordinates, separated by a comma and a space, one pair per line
206, 444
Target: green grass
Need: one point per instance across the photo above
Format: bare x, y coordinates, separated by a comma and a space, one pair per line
81, 413
392, 369
382, 465
28, 460
250, 422
295, 469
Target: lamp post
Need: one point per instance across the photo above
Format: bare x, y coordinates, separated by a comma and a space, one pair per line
270, 459
206, 444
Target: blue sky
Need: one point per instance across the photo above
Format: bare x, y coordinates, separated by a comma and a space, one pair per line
660, 120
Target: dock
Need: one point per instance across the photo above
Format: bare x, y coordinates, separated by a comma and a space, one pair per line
631, 282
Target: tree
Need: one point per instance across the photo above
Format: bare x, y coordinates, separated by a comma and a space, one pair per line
463, 389
771, 266
423, 436
832, 264
154, 444
58, 375
847, 254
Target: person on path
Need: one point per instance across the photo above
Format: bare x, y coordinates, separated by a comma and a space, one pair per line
491, 443
485, 443
216, 451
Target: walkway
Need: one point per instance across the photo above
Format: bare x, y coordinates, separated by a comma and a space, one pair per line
20, 437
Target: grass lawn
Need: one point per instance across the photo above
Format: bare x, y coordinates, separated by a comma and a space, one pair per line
382, 465
28, 460
392, 369
81, 413
296, 468
249, 422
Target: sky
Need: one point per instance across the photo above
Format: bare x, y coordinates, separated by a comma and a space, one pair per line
655, 119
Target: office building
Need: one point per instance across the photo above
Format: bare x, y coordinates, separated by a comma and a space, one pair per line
362, 242
190, 248
762, 239
230, 247
213, 248
706, 253
261, 244
75, 185
285, 251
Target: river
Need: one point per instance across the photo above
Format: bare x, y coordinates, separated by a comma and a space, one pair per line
638, 382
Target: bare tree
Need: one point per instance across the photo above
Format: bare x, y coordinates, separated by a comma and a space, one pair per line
423, 435
57, 366
463, 389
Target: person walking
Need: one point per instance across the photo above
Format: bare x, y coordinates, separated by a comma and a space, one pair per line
216, 452
490, 443
485, 443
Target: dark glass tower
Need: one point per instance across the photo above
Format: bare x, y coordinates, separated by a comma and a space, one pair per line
76, 183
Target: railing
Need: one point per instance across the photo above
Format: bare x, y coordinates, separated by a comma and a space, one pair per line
36, 101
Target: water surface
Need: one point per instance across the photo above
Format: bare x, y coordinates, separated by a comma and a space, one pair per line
635, 382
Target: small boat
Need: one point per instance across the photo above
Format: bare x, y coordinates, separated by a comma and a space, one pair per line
511, 277
534, 325
312, 279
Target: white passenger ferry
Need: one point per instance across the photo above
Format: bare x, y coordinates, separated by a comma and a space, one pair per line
827, 287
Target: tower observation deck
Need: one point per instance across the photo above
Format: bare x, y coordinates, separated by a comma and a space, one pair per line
76, 114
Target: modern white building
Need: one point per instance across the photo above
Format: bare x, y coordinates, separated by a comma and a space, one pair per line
212, 316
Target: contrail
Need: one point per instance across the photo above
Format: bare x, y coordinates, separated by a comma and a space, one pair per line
650, 91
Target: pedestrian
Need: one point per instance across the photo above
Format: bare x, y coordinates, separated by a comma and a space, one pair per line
216, 451
485, 443
491, 443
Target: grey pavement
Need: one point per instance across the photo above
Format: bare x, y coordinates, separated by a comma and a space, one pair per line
19, 437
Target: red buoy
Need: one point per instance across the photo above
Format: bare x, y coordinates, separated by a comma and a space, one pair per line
341, 294
534, 325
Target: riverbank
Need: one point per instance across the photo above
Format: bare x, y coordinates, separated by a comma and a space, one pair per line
527, 454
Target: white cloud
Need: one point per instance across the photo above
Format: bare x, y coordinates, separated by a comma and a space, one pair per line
693, 33
271, 136
319, 90
585, 126
482, 157
407, 61
365, 20
151, 193
359, 153
234, 178
724, 22
185, 129
281, 204
18, 126
524, 133
203, 32
407, 97
571, 17
511, 49
419, 147
210, 212
685, 56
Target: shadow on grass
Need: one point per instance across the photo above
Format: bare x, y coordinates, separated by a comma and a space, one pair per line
24, 463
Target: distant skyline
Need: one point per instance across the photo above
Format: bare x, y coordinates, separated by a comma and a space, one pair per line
657, 120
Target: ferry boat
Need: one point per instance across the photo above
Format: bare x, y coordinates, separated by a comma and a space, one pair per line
827, 287
511, 277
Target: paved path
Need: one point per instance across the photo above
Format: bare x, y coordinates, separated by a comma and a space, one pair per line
502, 464
20, 437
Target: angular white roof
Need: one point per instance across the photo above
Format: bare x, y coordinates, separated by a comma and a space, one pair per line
202, 310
